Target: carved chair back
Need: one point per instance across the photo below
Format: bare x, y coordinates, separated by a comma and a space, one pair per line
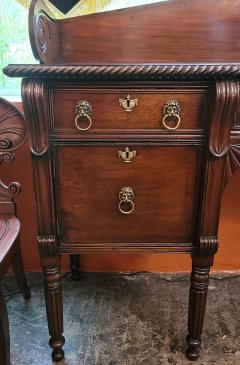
12, 136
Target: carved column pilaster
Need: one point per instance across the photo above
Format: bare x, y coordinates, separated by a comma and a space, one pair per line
35, 101
221, 120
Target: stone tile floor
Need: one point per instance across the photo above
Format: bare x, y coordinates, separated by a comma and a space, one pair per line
118, 319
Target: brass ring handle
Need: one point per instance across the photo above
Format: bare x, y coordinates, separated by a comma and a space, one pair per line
172, 116
126, 197
83, 111
85, 116
171, 111
131, 206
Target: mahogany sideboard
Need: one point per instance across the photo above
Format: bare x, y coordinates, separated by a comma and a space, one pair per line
134, 130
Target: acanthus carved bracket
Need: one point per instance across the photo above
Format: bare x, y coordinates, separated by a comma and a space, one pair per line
34, 93
222, 116
232, 160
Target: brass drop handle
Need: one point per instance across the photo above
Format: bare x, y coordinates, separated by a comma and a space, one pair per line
126, 197
83, 112
171, 112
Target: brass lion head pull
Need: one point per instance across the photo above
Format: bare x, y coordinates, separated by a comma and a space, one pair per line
128, 103
171, 112
83, 111
126, 197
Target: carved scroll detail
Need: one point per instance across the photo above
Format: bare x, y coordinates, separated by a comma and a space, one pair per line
223, 114
47, 245
35, 108
126, 72
12, 128
12, 136
10, 190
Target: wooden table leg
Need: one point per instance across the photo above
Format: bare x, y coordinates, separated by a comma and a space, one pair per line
54, 304
18, 268
4, 332
75, 267
197, 304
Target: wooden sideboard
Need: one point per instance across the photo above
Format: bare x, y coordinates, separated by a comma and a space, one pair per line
132, 145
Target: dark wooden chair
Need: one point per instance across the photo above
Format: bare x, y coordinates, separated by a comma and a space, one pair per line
12, 135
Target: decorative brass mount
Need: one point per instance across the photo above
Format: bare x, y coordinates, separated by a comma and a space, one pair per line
171, 111
128, 103
83, 111
126, 197
127, 155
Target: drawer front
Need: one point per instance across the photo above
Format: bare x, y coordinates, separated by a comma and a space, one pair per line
123, 111
162, 178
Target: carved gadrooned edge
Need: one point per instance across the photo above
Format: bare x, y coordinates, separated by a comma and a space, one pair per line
126, 71
34, 93
222, 116
208, 246
47, 245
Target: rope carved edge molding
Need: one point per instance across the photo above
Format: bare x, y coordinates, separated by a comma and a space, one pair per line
125, 71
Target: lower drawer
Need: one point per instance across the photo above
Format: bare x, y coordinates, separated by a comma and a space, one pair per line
95, 207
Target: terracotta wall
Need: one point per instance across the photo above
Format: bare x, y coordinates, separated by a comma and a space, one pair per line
228, 257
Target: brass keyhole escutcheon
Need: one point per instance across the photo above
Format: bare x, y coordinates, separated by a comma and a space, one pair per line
171, 112
128, 104
126, 203
83, 112
127, 155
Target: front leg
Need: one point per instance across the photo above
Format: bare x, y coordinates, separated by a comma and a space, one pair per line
54, 306
197, 305
201, 264
50, 261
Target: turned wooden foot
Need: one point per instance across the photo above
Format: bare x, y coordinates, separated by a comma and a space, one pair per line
58, 353
197, 305
75, 267
4, 333
54, 307
18, 269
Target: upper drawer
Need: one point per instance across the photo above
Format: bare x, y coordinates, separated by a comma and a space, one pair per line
128, 110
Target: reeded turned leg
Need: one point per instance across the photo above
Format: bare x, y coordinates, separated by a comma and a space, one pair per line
4, 333
18, 269
197, 305
54, 307
75, 267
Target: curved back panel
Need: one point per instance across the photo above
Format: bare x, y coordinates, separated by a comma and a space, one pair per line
170, 32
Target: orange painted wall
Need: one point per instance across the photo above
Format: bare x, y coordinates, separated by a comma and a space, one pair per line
227, 258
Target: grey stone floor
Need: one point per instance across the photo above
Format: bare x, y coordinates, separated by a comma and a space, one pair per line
118, 319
